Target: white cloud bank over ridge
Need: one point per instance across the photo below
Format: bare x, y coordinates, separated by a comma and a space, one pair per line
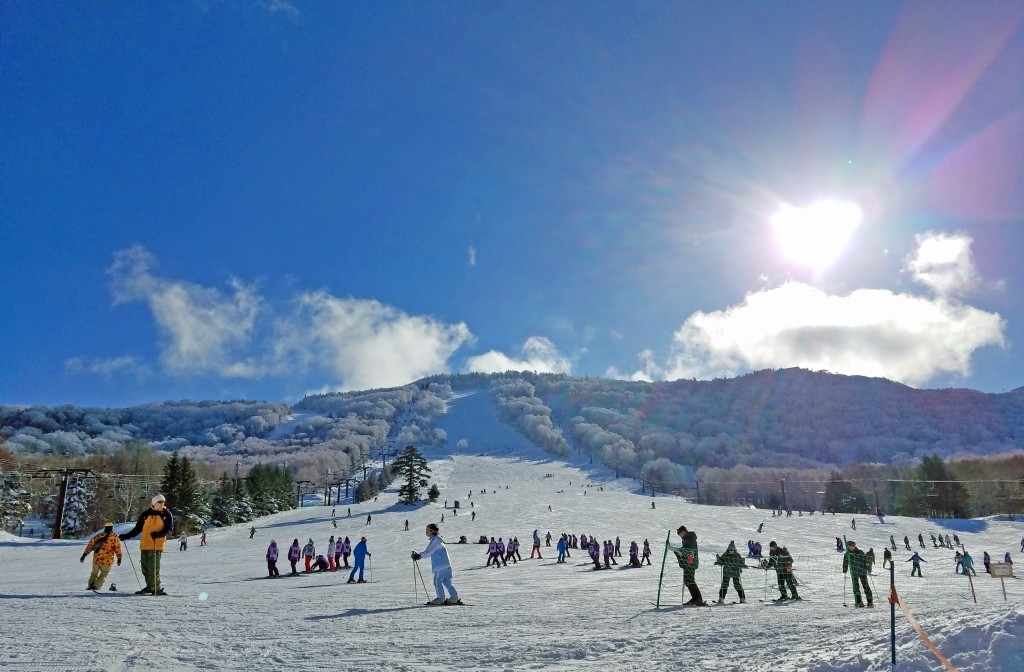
870, 332
538, 354
363, 344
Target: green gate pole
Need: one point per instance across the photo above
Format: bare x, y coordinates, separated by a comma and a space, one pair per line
664, 555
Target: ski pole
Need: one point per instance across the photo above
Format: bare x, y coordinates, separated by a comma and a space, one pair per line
420, 571
132, 563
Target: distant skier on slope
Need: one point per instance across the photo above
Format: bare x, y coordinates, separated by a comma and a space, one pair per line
440, 565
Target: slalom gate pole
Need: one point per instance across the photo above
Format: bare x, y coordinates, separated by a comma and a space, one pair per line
846, 559
370, 568
892, 611
967, 571
132, 562
657, 602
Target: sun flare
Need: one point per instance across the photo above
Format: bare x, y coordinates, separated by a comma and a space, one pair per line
815, 236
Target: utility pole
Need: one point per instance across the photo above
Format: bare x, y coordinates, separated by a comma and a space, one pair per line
327, 489
874, 486
347, 481
782, 482
65, 475
698, 492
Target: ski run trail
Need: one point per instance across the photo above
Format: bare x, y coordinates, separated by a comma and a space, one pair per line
533, 615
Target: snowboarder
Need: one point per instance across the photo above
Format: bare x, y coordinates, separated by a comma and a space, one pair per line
732, 566
906, 541
272, 560
536, 545
760, 527
920, 540
689, 560
781, 561
294, 553
104, 547
935, 544
856, 563
154, 524
252, 531
359, 561
309, 552
917, 560
441, 566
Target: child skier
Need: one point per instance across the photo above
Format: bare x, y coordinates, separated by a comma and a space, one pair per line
732, 566
272, 560
294, 553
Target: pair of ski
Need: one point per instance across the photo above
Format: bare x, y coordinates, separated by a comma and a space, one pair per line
460, 603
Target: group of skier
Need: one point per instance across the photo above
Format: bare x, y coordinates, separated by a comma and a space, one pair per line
338, 551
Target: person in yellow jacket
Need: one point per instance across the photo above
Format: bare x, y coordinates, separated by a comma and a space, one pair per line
104, 547
154, 524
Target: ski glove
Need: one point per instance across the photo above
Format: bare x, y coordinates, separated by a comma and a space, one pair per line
82, 559
119, 562
415, 555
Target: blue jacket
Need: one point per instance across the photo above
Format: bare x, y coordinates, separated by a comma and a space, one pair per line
360, 552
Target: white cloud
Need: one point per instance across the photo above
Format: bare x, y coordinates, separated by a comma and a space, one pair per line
472, 256
365, 344
106, 368
359, 344
943, 263
202, 328
869, 332
538, 354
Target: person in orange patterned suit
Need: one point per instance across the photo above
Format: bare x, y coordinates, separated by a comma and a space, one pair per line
104, 547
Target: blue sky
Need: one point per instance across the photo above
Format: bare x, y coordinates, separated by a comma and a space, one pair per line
264, 199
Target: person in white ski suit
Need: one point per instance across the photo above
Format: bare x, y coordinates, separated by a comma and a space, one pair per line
440, 564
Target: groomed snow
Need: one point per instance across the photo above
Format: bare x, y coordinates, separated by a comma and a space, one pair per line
531, 615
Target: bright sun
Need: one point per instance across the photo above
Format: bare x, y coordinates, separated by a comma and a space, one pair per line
816, 235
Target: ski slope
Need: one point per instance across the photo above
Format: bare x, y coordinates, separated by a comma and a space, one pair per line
532, 615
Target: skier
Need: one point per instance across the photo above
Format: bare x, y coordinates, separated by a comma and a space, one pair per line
536, 546
331, 549
956, 540
968, 564
359, 561
547, 538
406, 524
492, 553
839, 546
472, 516
732, 566
870, 557
321, 564
183, 542
441, 566
781, 561
906, 541
689, 560
1009, 561
886, 558
634, 554
346, 550
104, 547
560, 546
154, 524
309, 552
294, 553
369, 517
618, 551
595, 554
609, 554
499, 549
949, 542
272, 560
920, 540
760, 527
892, 542
917, 560
202, 539
252, 531
935, 544
986, 560
853, 523
959, 562
510, 550
855, 562
646, 554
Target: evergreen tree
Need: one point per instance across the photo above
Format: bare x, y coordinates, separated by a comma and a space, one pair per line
433, 493
843, 496
944, 498
222, 511
363, 491
186, 498
411, 468
15, 501
76, 508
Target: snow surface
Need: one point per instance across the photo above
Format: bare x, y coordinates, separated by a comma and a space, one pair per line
532, 615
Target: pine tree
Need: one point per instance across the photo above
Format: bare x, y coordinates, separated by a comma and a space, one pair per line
843, 496
15, 501
186, 498
76, 508
433, 493
411, 468
222, 512
945, 498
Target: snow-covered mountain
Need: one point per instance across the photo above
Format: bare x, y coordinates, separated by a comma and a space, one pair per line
534, 614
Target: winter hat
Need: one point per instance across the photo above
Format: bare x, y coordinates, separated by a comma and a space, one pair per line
273, 542
732, 546
108, 526
772, 545
158, 499
362, 538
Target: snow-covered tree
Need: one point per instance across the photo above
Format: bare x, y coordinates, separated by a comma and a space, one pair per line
76, 508
14, 500
411, 468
